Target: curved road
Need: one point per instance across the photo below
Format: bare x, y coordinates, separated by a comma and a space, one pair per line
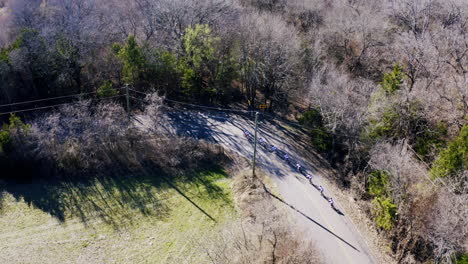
335, 235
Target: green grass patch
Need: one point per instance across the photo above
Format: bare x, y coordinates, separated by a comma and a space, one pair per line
142, 218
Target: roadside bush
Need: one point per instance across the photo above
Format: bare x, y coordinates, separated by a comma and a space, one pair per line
311, 119
384, 212
454, 158
378, 183
320, 137
106, 90
384, 209
87, 140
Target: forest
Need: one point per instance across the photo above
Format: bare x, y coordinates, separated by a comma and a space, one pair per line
381, 87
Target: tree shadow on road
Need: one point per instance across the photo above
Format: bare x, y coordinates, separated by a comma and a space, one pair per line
207, 125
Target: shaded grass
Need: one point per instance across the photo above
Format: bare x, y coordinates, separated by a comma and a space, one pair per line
114, 220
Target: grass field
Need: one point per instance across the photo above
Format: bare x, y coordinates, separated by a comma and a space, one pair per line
138, 219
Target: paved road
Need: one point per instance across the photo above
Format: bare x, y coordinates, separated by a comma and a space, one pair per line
334, 234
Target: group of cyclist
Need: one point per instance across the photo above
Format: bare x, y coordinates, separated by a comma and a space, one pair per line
298, 167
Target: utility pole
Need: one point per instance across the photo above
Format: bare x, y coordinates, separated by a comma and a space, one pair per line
255, 143
127, 95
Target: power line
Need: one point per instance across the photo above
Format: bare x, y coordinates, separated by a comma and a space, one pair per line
210, 107
138, 99
194, 105
138, 92
50, 106
46, 99
198, 113
245, 111
51, 98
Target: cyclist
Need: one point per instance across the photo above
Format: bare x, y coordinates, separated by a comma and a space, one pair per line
308, 176
298, 166
332, 203
321, 189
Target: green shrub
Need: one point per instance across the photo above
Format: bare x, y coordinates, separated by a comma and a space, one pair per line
116, 48
8, 129
462, 258
5, 52
454, 158
385, 127
384, 212
106, 90
4, 55
407, 122
4, 139
392, 81
431, 138
398, 121
311, 119
378, 183
321, 139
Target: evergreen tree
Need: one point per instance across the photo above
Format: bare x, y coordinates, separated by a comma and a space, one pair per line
133, 60
205, 73
454, 158
392, 81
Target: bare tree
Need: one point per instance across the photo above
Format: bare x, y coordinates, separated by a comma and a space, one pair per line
354, 34
163, 22
415, 16
269, 58
446, 224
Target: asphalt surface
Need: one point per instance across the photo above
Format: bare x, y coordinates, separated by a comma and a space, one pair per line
332, 231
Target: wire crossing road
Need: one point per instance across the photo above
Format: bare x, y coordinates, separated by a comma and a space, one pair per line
334, 234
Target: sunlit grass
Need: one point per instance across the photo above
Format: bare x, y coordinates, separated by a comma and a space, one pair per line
131, 220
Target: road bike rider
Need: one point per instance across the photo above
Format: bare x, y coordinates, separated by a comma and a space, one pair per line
298, 167
332, 203
262, 141
321, 190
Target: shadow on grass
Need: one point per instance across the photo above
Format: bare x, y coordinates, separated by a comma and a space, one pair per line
118, 200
